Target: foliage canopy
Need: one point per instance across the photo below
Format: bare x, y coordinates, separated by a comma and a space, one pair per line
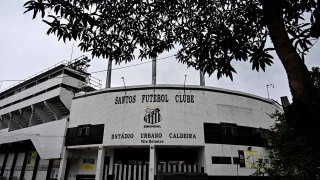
211, 34
291, 154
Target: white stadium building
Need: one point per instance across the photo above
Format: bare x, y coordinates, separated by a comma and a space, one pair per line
58, 125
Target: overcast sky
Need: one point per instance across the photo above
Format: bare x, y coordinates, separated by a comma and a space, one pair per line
25, 50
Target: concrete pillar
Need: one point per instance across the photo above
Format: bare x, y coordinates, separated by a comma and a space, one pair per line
100, 163
202, 79
108, 80
111, 154
151, 162
154, 71
63, 164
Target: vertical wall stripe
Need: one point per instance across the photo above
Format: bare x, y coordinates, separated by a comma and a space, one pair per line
4, 163
23, 169
144, 172
35, 169
134, 172
106, 172
50, 165
189, 168
120, 172
13, 165
129, 172
117, 172
125, 177
139, 172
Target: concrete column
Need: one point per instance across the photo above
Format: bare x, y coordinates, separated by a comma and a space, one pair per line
154, 71
111, 154
108, 80
152, 162
202, 79
63, 164
100, 163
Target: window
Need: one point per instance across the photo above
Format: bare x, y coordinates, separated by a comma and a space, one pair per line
221, 160
84, 130
228, 133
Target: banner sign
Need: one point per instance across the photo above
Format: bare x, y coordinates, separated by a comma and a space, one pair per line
251, 158
32, 158
88, 164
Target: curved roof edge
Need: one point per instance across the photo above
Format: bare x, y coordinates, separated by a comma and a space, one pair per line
180, 87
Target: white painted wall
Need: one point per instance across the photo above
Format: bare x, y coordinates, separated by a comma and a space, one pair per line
48, 138
229, 151
66, 97
32, 90
29, 102
211, 107
208, 107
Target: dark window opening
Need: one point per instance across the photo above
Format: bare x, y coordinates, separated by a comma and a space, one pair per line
131, 156
221, 160
235, 160
226, 133
85, 134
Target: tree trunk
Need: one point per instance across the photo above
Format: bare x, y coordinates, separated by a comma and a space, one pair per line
303, 114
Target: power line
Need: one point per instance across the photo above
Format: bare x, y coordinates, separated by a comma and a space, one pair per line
131, 65
94, 72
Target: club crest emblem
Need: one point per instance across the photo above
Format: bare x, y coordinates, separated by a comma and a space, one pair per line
152, 116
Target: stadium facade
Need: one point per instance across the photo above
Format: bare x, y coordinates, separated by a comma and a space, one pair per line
56, 125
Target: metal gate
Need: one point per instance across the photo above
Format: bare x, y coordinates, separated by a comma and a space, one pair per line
128, 172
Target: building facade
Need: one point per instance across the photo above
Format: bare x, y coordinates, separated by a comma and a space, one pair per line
131, 133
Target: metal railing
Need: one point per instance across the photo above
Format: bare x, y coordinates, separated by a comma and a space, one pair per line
73, 64
64, 62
